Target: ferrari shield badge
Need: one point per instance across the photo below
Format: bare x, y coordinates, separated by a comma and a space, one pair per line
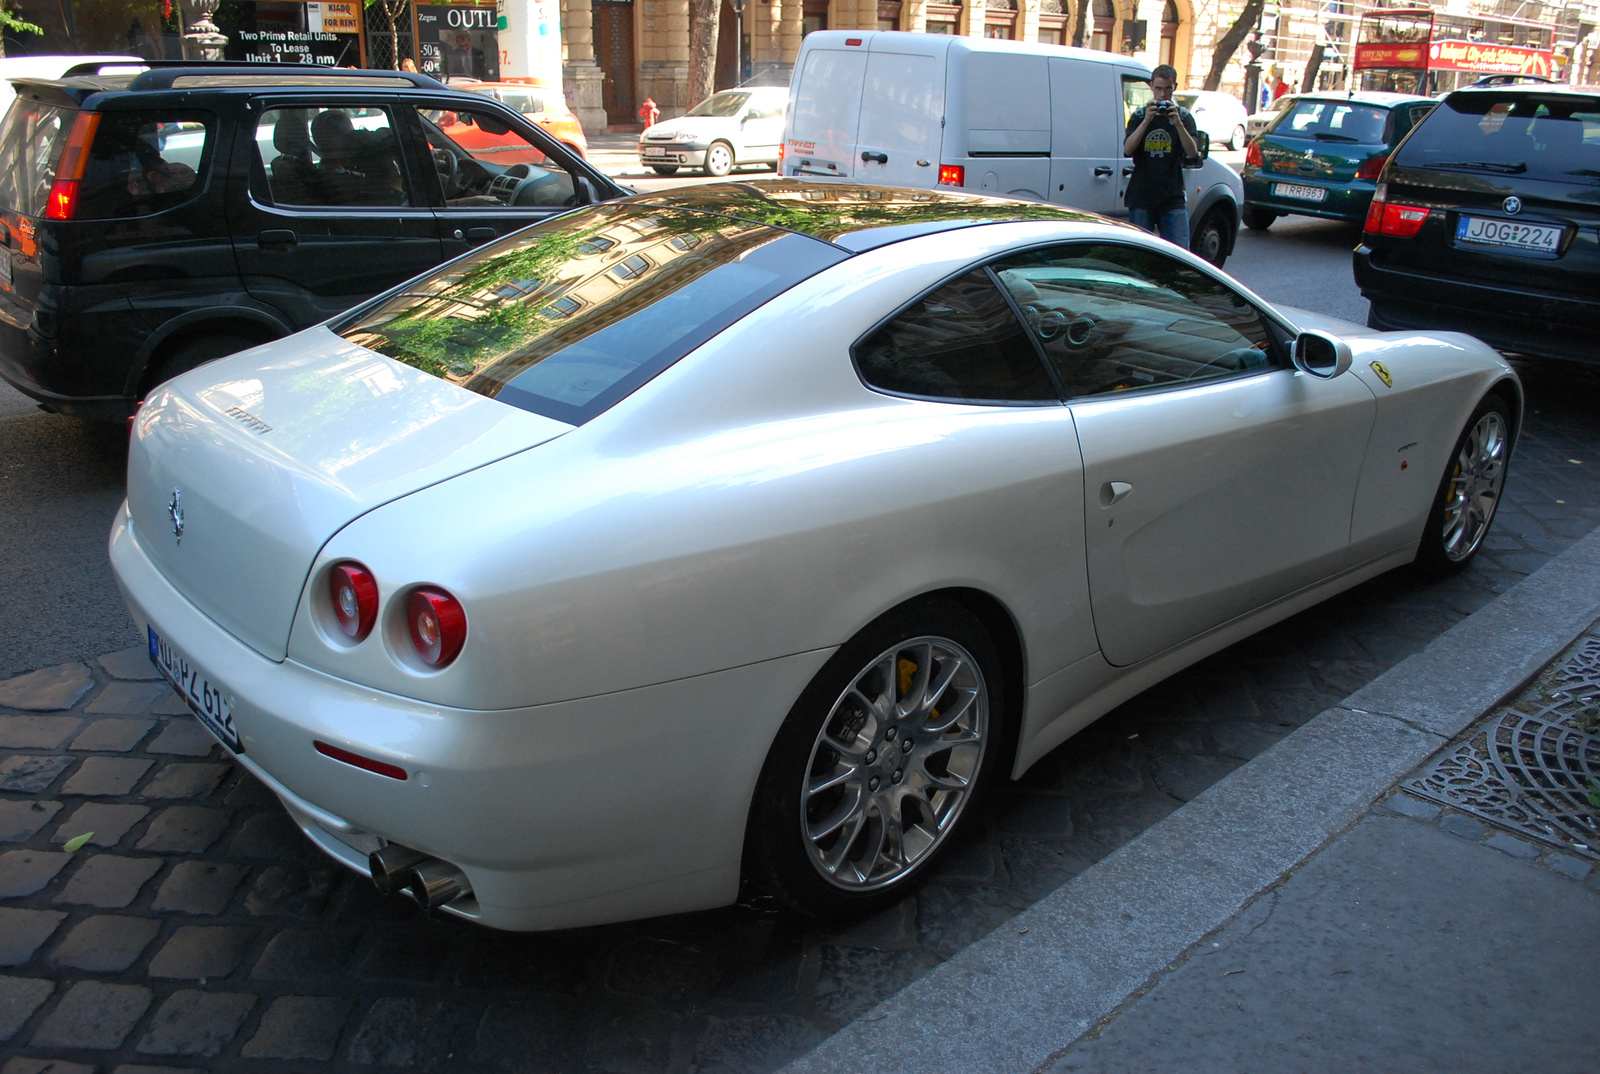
175, 512
1383, 374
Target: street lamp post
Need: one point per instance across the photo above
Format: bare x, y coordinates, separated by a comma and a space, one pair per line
738, 40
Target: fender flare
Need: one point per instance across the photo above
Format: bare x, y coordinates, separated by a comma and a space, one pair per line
254, 316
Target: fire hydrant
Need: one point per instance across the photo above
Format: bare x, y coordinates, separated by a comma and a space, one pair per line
648, 112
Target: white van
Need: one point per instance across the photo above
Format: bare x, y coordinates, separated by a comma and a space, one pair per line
990, 116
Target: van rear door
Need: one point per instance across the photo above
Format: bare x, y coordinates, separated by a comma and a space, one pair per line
901, 126
1086, 141
826, 106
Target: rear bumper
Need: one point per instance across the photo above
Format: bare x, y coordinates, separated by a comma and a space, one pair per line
1507, 318
1338, 203
75, 352
604, 808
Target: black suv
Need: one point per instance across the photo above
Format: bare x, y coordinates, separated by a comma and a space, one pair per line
1487, 220
152, 220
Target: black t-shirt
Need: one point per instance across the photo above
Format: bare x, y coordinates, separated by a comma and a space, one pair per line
1157, 182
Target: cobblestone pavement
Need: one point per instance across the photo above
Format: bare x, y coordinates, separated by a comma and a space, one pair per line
197, 929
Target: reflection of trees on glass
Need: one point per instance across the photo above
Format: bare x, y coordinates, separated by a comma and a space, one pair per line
495, 315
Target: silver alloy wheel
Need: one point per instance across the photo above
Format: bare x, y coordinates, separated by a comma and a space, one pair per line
1474, 490
894, 763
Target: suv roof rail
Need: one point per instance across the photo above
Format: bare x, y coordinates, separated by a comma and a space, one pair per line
161, 74
1511, 80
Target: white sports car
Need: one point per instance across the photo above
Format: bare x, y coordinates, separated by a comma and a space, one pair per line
744, 533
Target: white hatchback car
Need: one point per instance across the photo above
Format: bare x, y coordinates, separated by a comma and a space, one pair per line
1220, 115
747, 531
727, 130
1257, 122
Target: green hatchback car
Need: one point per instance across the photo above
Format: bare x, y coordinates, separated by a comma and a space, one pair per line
1322, 155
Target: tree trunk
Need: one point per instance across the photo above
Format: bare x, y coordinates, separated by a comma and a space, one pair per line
1080, 24
1229, 42
703, 18
1313, 65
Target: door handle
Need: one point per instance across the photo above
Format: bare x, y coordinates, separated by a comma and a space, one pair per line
867, 157
1127, 171
1114, 492
481, 234
1103, 172
278, 237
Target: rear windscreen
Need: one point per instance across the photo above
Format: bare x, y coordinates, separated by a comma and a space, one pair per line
1334, 121
1553, 138
30, 146
569, 316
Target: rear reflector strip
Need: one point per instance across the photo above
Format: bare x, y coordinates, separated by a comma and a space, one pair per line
382, 768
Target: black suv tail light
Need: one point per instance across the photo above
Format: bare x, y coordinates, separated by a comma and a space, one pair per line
63, 201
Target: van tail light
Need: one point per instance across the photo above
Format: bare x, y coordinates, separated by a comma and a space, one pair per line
438, 626
62, 201
1252, 155
1372, 167
1386, 218
779, 169
355, 598
952, 175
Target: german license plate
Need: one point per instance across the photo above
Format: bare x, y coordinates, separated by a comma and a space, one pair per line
655, 151
1517, 236
207, 700
1295, 190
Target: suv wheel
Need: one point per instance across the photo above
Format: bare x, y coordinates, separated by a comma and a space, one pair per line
195, 351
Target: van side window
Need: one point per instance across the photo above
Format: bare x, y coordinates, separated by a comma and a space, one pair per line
1136, 94
1116, 318
958, 342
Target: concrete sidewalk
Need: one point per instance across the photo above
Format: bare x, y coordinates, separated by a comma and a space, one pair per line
1308, 916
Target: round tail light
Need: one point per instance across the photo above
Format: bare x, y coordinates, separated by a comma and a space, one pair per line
438, 626
355, 598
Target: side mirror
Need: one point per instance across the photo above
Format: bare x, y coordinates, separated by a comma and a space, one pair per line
1321, 355
587, 194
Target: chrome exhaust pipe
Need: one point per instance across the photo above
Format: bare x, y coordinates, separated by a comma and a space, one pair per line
390, 864
433, 883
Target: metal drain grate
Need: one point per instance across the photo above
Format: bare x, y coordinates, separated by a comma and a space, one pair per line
1531, 773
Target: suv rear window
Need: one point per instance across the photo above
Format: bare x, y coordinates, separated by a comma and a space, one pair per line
30, 144
1552, 137
139, 162
567, 317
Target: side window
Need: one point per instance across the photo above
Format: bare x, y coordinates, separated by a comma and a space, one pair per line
34, 136
1113, 318
144, 162
332, 157
1135, 95
960, 341
484, 164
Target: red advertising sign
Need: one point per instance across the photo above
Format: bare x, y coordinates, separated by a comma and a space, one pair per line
1408, 55
1489, 58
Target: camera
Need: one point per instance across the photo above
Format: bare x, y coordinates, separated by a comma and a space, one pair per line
1165, 107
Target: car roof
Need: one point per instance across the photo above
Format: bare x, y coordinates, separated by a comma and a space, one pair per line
87, 79
1528, 89
1375, 98
855, 216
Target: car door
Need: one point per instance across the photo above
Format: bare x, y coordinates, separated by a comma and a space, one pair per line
761, 129
1217, 479
901, 128
1086, 135
494, 174
333, 211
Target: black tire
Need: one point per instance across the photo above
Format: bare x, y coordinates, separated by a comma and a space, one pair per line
192, 352
719, 159
897, 756
1210, 239
1257, 219
664, 169
1463, 508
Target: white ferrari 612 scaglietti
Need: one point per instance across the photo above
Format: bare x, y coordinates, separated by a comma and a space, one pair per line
743, 533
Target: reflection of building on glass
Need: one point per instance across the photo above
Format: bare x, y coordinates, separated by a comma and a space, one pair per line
458, 41
461, 58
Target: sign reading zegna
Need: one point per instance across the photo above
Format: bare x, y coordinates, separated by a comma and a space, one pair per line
458, 40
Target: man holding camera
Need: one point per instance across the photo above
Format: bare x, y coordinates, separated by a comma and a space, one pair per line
1159, 137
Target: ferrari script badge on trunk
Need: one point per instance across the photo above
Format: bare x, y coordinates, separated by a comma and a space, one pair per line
175, 512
